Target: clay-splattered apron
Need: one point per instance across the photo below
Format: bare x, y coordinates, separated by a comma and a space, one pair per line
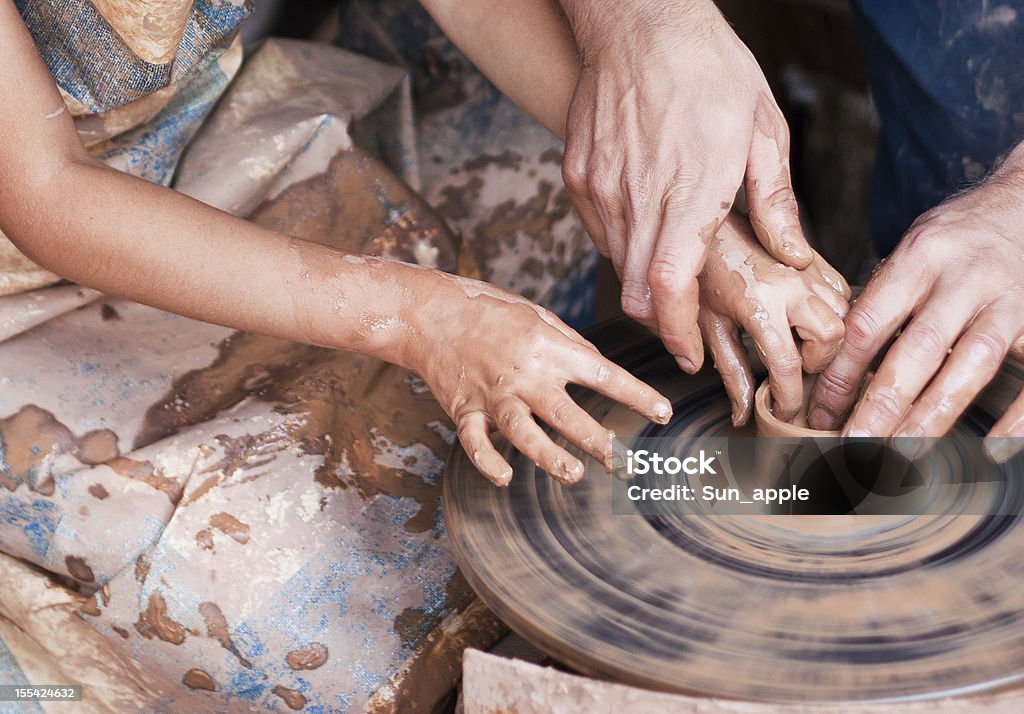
217, 520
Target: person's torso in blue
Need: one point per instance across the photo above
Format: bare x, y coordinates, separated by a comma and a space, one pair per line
948, 82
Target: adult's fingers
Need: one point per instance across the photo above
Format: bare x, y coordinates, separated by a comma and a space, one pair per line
515, 421
605, 377
1006, 438
778, 351
560, 412
973, 363
722, 336
880, 310
909, 365
820, 329
473, 434
677, 260
774, 213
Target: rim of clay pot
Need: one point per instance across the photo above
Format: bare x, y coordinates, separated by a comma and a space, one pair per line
771, 426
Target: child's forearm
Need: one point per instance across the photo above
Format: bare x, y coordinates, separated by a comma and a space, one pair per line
127, 237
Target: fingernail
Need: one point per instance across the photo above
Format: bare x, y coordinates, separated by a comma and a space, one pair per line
857, 434
820, 419
662, 412
1001, 449
685, 364
619, 463
493, 466
910, 443
568, 471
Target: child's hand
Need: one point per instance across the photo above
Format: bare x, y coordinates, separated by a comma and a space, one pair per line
741, 286
494, 359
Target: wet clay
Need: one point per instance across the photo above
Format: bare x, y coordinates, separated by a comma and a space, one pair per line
154, 622
310, 657
769, 425
198, 679
226, 524
79, 569
295, 700
217, 628
33, 438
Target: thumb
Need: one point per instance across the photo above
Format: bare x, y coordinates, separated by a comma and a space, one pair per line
774, 213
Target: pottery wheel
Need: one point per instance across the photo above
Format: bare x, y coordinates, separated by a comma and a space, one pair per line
774, 608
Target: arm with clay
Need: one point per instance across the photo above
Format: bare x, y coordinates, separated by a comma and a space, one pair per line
128, 237
527, 50
666, 114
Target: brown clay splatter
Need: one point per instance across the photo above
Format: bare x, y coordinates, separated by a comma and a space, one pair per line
154, 622
97, 447
107, 312
79, 569
141, 569
217, 628
231, 527
204, 539
91, 607
295, 700
147, 473
411, 625
120, 631
98, 490
311, 657
198, 679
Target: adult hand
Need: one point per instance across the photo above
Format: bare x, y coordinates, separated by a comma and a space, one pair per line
958, 277
670, 116
742, 287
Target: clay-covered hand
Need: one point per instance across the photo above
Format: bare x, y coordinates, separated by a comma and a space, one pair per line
494, 360
670, 116
742, 287
955, 285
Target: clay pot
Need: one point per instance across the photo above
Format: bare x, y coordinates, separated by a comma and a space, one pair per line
769, 425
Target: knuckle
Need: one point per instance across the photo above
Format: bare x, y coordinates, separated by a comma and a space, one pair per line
574, 175
833, 331
885, 402
636, 300
664, 276
787, 364
862, 327
834, 384
604, 188
986, 347
920, 233
924, 338
782, 197
560, 411
509, 419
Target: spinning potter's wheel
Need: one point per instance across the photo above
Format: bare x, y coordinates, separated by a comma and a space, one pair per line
774, 608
